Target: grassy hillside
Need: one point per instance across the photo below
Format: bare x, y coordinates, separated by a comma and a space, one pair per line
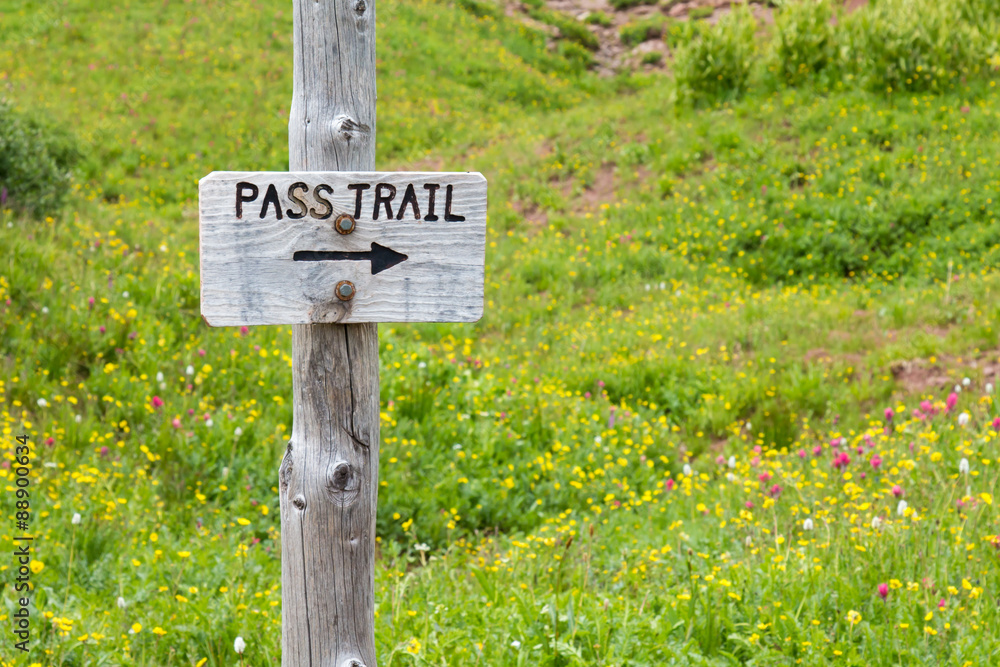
718, 349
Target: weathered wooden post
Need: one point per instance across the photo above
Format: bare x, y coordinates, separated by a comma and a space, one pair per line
332, 248
328, 479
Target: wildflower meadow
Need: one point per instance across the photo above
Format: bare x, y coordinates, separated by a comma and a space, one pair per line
733, 399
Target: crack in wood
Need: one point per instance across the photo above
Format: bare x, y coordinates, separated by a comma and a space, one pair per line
285, 469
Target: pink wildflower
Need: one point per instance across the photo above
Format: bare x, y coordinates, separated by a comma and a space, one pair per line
951, 402
876, 461
889, 414
897, 490
883, 591
157, 402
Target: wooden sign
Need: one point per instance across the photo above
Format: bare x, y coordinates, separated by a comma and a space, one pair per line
326, 247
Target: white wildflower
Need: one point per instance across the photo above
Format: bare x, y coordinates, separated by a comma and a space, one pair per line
189, 370
159, 377
77, 518
239, 645
963, 419
732, 462
515, 644
966, 382
422, 365
238, 432
901, 508
963, 465
422, 547
78, 418
958, 389
42, 402
687, 470
457, 446
45, 310
748, 541
807, 524
121, 602
730, 477
877, 523
989, 387
125, 294
209, 422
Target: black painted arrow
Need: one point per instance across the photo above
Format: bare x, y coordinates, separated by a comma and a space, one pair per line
382, 258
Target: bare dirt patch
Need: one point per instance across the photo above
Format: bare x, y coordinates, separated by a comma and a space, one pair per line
919, 377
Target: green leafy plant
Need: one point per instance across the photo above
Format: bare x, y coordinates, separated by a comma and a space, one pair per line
718, 61
920, 44
598, 18
652, 58
632, 34
805, 41
35, 163
480, 8
628, 4
569, 28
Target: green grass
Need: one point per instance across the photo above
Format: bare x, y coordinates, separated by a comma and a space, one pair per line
666, 287
635, 33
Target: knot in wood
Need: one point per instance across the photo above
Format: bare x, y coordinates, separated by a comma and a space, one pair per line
352, 663
342, 474
343, 483
299, 503
360, 8
346, 128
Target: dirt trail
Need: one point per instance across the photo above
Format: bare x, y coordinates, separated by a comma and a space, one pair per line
613, 55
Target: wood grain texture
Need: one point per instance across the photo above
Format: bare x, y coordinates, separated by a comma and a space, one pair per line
249, 277
328, 480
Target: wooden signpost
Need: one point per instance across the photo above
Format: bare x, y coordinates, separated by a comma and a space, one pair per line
310, 248
332, 248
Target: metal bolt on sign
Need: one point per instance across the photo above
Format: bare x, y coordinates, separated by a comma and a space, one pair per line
345, 290
344, 224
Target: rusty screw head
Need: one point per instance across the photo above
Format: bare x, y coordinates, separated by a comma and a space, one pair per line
344, 224
345, 290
